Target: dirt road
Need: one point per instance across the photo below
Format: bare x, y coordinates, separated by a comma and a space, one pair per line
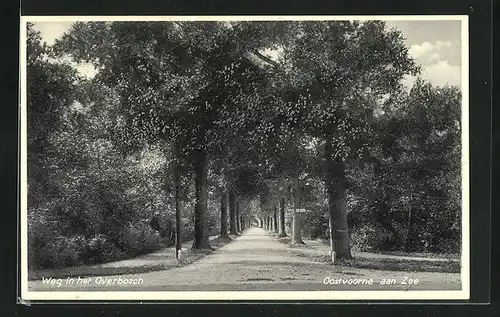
257, 261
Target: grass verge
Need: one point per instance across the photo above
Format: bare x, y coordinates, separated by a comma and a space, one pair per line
164, 262
402, 265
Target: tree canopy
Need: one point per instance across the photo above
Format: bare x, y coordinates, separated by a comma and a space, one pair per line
193, 119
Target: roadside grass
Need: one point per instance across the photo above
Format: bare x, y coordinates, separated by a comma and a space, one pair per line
410, 254
165, 261
420, 254
285, 240
402, 264
84, 271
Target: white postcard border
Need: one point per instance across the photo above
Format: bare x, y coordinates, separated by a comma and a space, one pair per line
464, 293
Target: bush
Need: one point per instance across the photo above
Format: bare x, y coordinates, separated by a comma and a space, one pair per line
316, 224
451, 245
49, 247
100, 249
139, 238
370, 238
42, 235
60, 251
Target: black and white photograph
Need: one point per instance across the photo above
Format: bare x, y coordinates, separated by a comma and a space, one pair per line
244, 157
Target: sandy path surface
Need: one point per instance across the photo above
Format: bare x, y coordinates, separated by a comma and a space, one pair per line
257, 261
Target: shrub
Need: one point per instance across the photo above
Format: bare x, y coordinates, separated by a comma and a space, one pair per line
369, 238
60, 251
139, 238
316, 224
42, 233
100, 249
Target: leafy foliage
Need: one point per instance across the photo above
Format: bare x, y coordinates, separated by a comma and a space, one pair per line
203, 96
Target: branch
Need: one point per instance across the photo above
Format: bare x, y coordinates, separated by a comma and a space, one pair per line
254, 55
266, 59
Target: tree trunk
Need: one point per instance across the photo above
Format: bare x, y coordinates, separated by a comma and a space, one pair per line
177, 181
223, 215
336, 189
282, 230
296, 234
232, 214
201, 240
383, 214
275, 219
409, 232
238, 224
331, 227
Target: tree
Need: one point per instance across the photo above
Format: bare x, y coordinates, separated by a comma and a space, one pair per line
275, 218
174, 79
296, 227
282, 229
339, 73
51, 89
224, 218
87, 203
233, 229
413, 167
431, 153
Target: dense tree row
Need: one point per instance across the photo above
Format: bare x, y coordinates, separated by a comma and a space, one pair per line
188, 128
